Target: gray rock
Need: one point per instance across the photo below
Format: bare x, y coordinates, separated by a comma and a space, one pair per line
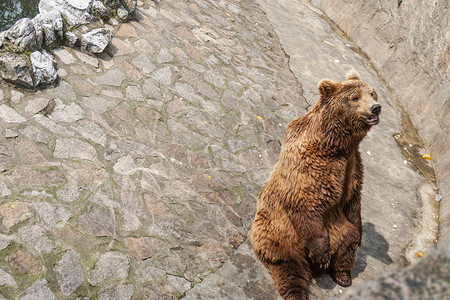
15, 68
9, 115
51, 25
121, 292
110, 265
144, 63
43, 68
6, 279
100, 221
34, 134
66, 113
96, 40
38, 290
22, 34
75, 12
123, 14
427, 278
69, 273
52, 214
99, 9
71, 39
74, 149
112, 3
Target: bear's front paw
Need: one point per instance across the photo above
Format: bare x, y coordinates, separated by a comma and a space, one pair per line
321, 258
344, 278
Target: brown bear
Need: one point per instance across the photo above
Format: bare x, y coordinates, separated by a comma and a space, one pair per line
308, 218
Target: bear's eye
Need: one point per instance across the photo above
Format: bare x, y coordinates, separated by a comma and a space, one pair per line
355, 99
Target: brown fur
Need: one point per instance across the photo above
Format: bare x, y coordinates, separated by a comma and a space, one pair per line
308, 214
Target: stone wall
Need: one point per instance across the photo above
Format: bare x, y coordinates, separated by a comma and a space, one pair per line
409, 46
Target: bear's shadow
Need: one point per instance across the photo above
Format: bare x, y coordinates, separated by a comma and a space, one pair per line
372, 244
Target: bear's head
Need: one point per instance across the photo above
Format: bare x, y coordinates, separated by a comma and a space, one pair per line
351, 101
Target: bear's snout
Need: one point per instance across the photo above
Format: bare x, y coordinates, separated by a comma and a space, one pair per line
375, 109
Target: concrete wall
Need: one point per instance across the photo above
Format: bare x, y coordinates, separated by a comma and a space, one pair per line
409, 46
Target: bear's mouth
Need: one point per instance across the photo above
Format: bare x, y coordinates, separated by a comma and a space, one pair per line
374, 120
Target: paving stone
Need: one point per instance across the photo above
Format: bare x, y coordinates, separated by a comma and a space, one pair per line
4, 241
132, 92
35, 193
36, 105
91, 131
34, 134
9, 115
100, 222
164, 75
69, 273
31, 177
34, 235
14, 212
63, 91
4, 190
125, 166
16, 96
110, 265
73, 149
149, 273
28, 153
120, 292
52, 125
24, 263
104, 196
66, 113
38, 290
87, 59
70, 194
144, 247
64, 56
113, 77
164, 56
8, 133
179, 283
52, 214
84, 245
121, 47
156, 291
99, 104
143, 63
6, 279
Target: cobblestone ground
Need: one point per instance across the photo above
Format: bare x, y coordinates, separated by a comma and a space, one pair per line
137, 176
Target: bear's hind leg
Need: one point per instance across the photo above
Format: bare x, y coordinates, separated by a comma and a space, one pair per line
291, 278
345, 258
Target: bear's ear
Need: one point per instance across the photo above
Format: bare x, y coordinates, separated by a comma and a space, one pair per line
352, 75
326, 87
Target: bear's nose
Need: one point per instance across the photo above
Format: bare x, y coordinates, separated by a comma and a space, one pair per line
375, 109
